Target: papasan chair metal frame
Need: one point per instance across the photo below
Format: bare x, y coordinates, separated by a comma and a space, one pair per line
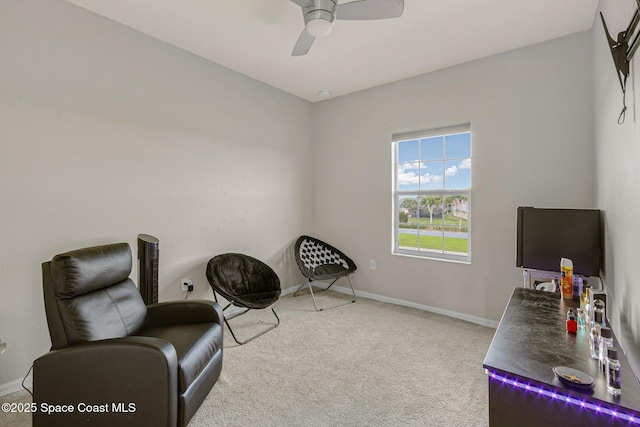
318, 260
245, 282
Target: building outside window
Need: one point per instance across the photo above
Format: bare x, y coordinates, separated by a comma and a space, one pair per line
432, 193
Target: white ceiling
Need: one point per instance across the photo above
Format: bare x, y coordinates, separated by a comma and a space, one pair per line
255, 37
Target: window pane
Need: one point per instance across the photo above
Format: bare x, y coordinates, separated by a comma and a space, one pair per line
457, 174
431, 174
408, 221
408, 151
458, 145
456, 230
431, 148
430, 231
408, 176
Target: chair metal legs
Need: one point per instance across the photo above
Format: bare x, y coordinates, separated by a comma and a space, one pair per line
326, 289
273, 326
234, 315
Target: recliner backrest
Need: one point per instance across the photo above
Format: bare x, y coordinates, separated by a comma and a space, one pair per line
89, 296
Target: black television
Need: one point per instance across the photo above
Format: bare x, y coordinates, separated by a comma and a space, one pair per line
544, 236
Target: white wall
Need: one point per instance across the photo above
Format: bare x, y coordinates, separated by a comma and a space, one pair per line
106, 133
618, 178
530, 113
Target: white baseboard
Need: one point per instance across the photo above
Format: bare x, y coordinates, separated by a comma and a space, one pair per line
11, 387
473, 319
289, 290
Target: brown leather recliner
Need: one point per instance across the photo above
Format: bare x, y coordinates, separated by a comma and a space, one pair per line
113, 360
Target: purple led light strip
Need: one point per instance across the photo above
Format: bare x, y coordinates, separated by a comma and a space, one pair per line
558, 396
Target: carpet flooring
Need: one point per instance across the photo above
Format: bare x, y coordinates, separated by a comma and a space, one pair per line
363, 364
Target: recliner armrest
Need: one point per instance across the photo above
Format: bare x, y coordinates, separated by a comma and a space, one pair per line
121, 381
181, 312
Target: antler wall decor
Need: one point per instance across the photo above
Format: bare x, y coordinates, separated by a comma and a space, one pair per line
622, 51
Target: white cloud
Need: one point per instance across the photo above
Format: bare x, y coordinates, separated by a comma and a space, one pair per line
407, 178
427, 178
408, 174
451, 171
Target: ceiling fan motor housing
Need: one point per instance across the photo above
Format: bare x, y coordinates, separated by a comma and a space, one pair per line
319, 18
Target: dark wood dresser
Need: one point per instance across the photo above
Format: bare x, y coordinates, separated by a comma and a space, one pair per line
530, 341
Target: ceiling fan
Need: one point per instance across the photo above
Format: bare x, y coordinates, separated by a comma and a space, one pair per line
320, 14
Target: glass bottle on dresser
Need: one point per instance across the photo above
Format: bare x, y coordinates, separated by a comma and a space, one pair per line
581, 322
594, 341
606, 341
599, 316
588, 315
613, 371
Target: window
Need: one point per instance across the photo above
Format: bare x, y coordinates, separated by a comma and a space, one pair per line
432, 193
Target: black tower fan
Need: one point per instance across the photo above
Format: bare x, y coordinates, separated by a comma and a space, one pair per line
148, 254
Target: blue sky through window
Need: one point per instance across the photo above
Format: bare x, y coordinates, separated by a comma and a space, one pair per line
458, 146
435, 163
431, 148
408, 151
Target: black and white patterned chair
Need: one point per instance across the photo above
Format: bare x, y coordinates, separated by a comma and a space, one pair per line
318, 260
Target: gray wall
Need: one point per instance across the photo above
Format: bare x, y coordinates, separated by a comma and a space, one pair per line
532, 145
618, 179
106, 133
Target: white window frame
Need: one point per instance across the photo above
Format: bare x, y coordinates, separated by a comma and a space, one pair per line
398, 194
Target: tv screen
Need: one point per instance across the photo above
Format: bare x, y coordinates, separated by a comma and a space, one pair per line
544, 236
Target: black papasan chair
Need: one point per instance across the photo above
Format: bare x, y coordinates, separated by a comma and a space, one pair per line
245, 282
318, 260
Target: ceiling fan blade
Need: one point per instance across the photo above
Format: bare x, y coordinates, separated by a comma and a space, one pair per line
370, 9
303, 3
303, 44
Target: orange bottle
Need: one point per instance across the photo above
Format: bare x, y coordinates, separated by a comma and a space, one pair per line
566, 279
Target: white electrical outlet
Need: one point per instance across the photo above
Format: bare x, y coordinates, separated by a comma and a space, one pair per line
372, 264
185, 284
